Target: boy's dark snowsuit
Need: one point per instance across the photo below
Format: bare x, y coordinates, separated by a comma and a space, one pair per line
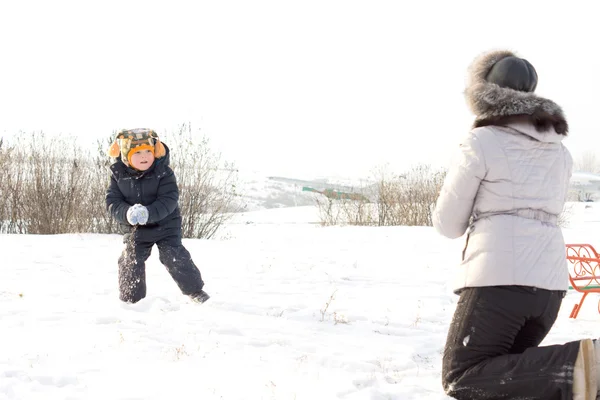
155, 188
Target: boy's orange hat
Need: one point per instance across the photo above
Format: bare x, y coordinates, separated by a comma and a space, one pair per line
129, 141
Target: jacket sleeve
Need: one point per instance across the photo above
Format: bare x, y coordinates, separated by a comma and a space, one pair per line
115, 202
457, 197
166, 200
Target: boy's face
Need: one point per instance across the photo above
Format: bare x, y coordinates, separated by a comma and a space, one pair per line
142, 160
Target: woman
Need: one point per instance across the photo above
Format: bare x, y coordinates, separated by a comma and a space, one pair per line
505, 189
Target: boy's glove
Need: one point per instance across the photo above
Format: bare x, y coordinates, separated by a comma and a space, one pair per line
137, 214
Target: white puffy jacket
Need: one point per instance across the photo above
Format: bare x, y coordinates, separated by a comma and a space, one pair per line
506, 188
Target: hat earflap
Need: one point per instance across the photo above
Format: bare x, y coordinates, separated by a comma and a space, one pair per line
159, 149
114, 150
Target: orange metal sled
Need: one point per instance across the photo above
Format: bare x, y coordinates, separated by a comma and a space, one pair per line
584, 272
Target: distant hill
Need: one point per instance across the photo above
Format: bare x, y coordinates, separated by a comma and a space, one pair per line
266, 192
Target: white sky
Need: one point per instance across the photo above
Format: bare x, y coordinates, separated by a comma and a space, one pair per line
303, 88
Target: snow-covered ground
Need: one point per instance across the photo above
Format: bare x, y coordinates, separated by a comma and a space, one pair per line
298, 311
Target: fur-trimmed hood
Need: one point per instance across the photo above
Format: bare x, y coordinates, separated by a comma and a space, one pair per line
495, 105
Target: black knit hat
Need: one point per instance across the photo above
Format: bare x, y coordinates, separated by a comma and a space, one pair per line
514, 73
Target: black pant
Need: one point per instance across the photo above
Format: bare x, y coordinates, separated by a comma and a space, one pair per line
492, 347
172, 254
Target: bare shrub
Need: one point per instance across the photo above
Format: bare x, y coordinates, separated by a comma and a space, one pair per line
12, 188
404, 199
11, 179
41, 189
359, 208
4, 199
343, 208
565, 216
407, 199
329, 212
207, 185
98, 173
51, 185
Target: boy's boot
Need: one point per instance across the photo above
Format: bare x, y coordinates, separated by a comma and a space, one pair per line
199, 297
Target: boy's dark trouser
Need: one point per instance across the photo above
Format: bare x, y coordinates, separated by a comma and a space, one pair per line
492, 353
172, 254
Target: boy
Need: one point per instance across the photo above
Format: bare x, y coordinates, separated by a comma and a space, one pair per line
143, 196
